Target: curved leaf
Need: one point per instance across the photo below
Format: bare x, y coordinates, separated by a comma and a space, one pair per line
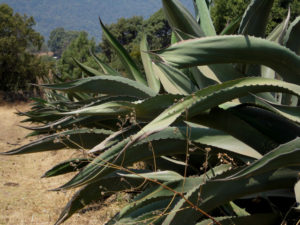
130, 66
180, 18
113, 85
71, 165
234, 49
153, 81
81, 138
203, 18
291, 39
256, 17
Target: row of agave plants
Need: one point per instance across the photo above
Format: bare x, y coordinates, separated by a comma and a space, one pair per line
214, 117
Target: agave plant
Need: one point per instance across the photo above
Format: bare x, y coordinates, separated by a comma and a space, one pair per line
215, 118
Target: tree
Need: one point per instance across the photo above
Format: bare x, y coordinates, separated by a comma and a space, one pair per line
60, 39
78, 49
18, 67
129, 33
224, 11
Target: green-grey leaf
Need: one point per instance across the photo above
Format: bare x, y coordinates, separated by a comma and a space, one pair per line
71, 165
180, 18
173, 80
106, 68
234, 49
153, 81
113, 85
127, 61
203, 18
284, 156
291, 39
81, 138
255, 18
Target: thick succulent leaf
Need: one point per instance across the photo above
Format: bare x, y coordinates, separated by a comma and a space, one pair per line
144, 110
203, 18
130, 66
180, 18
88, 70
297, 194
170, 141
290, 112
71, 165
173, 80
116, 137
226, 121
153, 81
212, 96
160, 176
234, 49
279, 31
106, 68
80, 138
96, 192
157, 193
255, 18
112, 85
284, 156
271, 124
215, 193
232, 26
261, 219
291, 39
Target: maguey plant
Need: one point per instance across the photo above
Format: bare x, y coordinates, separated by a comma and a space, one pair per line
214, 117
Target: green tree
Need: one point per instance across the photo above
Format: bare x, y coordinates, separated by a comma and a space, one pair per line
79, 49
129, 33
59, 40
18, 67
224, 11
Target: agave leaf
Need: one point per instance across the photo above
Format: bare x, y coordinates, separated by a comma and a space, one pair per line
297, 194
262, 219
255, 18
144, 110
156, 194
131, 68
276, 127
153, 81
203, 18
89, 70
290, 112
230, 189
96, 192
232, 26
173, 80
234, 49
81, 138
212, 96
71, 165
226, 121
106, 68
160, 176
291, 39
279, 31
180, 18
113, 85
170, 141
284, 156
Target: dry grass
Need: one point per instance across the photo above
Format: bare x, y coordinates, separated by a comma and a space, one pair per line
24, 198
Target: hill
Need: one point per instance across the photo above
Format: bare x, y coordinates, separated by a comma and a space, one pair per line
83, 14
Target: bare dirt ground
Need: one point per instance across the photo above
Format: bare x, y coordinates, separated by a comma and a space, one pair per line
24, 196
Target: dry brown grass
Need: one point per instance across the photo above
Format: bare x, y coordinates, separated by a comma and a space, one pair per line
24, 198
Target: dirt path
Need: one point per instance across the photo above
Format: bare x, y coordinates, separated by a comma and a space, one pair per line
24, 198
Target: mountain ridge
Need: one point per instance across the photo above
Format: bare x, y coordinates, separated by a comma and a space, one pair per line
83, 14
